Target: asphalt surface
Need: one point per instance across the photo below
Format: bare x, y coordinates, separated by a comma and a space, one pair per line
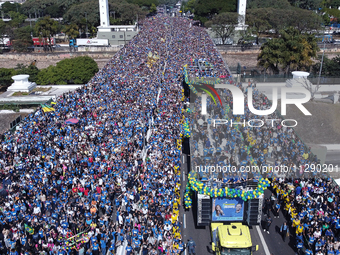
273, 241
202, 237
333, 157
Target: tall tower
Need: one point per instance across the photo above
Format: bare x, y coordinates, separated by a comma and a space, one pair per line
104, 13
241, 10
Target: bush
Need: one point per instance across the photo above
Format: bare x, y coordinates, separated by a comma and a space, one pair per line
77, 70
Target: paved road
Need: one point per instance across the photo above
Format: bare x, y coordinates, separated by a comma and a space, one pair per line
201, 235
333, 157
202, 238
274, 240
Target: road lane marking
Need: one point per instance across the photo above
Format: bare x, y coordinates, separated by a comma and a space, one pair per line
183, 176
265, 247
184, 221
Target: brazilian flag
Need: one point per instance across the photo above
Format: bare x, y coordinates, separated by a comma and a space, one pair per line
47, 108
29, 229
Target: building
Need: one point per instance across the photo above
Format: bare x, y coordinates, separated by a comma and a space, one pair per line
117, 35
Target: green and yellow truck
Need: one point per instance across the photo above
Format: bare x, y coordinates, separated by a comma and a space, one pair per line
231, 239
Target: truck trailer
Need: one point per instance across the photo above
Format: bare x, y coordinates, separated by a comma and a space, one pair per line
92, 42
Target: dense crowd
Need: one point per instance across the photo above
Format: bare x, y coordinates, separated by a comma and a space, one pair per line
112, 178
262, 143
312, 208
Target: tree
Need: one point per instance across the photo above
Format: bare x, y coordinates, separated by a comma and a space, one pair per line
31, 70
205, 9
72, 31
77, 70
146, 3
50, 76
330, 67
224, 24
76, 14
291, 51
3, 30
189, 6
6, 77
307, 21
128, 13
167, 2
306, 84
275, 4
55, 11
257, 21
46, 27
7, 7
22, 40
307, 4
153, 8
16, 19
335, 13
269, 57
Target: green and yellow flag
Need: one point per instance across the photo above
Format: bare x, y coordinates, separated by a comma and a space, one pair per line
47, 108
29, 229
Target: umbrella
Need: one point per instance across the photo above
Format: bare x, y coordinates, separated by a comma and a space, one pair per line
71, 121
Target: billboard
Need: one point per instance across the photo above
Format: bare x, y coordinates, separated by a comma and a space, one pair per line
224, 209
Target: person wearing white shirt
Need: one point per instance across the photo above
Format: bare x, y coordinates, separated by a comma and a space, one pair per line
36, 210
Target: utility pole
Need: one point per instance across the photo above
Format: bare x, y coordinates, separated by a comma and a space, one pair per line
323, 53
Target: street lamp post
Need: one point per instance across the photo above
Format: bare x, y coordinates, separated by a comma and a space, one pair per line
323, 53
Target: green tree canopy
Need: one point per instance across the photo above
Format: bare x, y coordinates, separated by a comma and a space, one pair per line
46, 27
276, 4
307, 4
330, 67
6, 77
31, 70
7, 7
153, 8
205, 9
76, 14
77, 70
72, 31
224, 24
258, 22
22, 39
291, 51
190, 6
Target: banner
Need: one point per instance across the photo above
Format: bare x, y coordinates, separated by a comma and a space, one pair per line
227, 209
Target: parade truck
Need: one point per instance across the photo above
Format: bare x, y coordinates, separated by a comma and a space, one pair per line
231, 239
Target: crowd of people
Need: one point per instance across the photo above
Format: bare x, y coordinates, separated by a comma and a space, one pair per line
113, 178
312, 208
